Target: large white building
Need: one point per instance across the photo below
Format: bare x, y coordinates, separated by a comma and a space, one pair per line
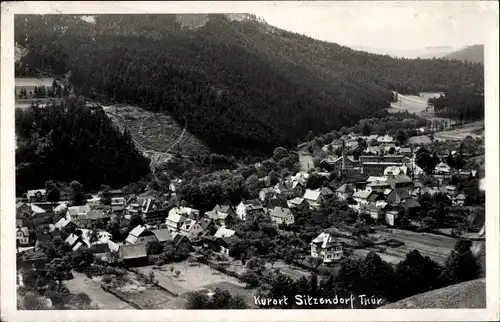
327, 248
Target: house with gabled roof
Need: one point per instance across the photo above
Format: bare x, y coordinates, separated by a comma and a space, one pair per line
179, 240
459, 200
88, 220
378, 186
151, 211
331, 163
297, 203
280, 215
361, 196
186, 212
276, 202
442, 168
411, 206
77, 242
399, 181
191, 228
36, 195
451, 190
63, 223
345, 191
22, 236
224, 232
266, 193
162, 235
314, 197
140, 235
134, 254
249, 209
221, 214
326, 247
174, 221
76, 211
397, 195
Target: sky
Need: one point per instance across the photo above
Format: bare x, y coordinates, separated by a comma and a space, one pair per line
396, 26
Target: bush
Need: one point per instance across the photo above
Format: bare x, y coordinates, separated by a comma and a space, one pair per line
107, 279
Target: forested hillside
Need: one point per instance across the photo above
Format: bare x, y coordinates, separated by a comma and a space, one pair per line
68, 141
471, 54
241, 85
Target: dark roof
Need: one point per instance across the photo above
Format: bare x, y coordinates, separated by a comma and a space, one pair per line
411, 203
162, 234
99, 248
178, 239
402, 193
276, 202
204, 222
133, 251
401, 179
326, 191
222, 208
346, 188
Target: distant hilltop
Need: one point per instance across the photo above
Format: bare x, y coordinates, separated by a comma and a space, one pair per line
473, 53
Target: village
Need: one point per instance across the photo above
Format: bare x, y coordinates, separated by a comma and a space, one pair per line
152, 254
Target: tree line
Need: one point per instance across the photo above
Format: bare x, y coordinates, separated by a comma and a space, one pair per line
67, 141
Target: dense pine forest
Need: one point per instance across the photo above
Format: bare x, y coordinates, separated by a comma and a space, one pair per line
68, 141
241, 85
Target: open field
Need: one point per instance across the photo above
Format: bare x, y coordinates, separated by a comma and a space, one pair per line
191, 277
475, 130
155, 131
435, 246
305, 159
105, 300
411, 103
294, 272
421, 139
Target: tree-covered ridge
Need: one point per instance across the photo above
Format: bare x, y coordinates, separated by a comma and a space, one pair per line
241, 85
67, 141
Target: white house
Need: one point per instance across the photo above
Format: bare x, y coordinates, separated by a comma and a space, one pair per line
442, 168
361, 197
327, 248
191, 228
224, 232
139, 235
313, 197
221, 215
174, 221
22, 236
281, 215
390, 217
248, 209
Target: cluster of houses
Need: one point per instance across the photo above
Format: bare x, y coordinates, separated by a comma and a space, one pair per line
389, 184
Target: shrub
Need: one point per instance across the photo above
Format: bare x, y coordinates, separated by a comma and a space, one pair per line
107, 279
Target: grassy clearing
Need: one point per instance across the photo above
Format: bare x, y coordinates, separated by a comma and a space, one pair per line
105, 300
155, 131
435, 246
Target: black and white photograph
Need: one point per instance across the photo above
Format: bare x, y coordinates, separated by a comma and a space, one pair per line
282, 156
